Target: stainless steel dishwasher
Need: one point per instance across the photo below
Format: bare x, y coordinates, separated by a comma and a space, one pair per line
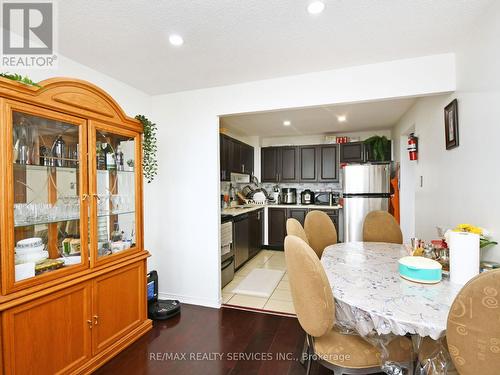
241, 245
227, 250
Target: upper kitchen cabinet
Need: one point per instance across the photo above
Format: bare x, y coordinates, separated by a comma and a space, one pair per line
270, 164
370, 155
307, 163
353, 152
316, 163
288, 171
235, 157
279, 164
247, 158
328, 165
359, 152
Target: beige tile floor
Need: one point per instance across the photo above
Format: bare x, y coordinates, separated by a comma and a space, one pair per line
279, 301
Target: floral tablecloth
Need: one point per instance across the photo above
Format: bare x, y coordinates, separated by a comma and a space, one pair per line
372, 297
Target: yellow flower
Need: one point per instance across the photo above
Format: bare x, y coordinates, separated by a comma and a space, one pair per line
468, 228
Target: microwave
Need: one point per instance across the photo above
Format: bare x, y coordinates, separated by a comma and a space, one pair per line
327, 198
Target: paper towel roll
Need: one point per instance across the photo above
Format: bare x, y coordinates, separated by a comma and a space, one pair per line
464, 256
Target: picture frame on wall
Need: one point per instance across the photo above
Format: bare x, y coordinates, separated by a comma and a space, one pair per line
451, 124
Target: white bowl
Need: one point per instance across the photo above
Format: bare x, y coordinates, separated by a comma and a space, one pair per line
29, 250
29, 242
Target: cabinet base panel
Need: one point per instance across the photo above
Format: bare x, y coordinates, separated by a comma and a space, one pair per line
101, 358
273, 247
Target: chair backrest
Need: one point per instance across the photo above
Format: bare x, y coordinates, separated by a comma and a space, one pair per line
320, 231
294, 228
311, 292
473, 331
381, 226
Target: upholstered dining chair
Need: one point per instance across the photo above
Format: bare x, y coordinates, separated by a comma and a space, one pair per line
314, 305
473, 328
381, 226
294, 228
320, 231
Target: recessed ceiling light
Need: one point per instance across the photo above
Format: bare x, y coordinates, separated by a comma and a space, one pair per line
176, 40
342, 118
287, 123
316, 7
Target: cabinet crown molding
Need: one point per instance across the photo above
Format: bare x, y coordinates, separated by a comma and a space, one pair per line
72, 96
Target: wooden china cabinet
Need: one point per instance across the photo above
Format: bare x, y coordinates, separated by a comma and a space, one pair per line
73, 263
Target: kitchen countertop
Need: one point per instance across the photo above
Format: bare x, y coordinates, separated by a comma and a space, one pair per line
244, 209
308, 206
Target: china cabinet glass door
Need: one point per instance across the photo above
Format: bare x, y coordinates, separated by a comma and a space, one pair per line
113, 186
46, 191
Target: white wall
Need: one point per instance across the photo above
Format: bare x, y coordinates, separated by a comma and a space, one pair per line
462, 185
182, 223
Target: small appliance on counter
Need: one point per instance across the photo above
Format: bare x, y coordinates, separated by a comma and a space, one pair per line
307, 197
289, 196
327, 198
159, 309
276, 194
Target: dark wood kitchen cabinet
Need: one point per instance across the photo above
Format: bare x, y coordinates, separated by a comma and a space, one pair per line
308, 170
359, 152
247, 158
256, 232
334, 217
370, 156
241, 237
276, 223
235, 156
353, 152
225, 158
315, 163
276, 227
328, 164
288, 163
279, 164
298, 214
269, 164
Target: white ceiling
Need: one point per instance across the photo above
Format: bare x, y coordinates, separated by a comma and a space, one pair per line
231, 41
320, 120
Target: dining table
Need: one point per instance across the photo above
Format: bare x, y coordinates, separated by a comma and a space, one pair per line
372, 299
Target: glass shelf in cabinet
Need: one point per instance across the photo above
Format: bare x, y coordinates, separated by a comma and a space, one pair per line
61, 220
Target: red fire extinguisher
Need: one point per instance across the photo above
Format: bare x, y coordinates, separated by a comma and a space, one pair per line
413, 146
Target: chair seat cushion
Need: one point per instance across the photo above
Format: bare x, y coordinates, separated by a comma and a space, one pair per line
352, 351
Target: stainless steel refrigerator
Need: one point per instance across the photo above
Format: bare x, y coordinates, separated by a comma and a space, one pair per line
365, 188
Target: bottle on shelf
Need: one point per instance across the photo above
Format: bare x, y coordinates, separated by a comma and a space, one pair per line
59, 151
100, 155
110, 157
119, 159
117, 234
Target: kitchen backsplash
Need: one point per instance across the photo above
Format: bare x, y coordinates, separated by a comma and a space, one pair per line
316, 187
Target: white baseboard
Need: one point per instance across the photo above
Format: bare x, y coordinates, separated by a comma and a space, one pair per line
191, 300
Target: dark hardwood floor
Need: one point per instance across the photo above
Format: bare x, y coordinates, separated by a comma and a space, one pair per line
226, 332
